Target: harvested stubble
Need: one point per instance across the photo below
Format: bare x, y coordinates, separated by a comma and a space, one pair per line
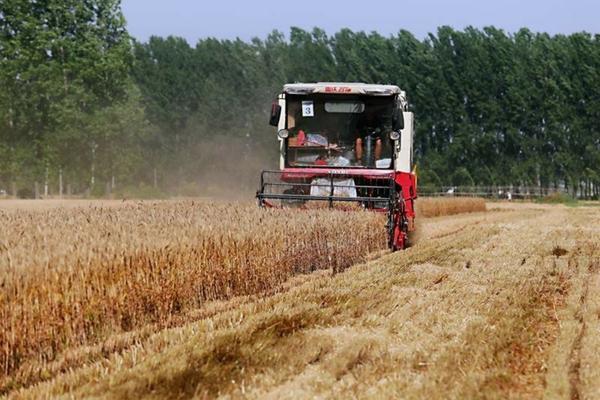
439, 206
74, 276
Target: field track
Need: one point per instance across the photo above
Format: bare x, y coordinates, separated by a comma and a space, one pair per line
503, 304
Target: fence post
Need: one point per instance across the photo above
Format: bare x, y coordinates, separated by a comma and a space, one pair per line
46, 183
60, 183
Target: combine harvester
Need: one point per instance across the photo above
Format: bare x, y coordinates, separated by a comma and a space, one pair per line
345, 143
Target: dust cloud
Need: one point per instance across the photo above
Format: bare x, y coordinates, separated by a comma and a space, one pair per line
226, 167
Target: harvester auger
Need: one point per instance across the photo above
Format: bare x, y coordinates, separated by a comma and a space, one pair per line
345, 145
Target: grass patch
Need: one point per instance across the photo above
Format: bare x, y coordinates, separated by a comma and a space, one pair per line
558, 198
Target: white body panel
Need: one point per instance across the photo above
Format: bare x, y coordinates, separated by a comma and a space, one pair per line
280, 126
404, 149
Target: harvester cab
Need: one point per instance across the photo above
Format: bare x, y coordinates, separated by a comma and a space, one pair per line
348, 144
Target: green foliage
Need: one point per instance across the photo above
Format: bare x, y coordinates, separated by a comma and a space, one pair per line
462, 177
558, 198
491, 108
65, 76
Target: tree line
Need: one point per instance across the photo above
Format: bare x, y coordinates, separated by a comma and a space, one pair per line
81, 101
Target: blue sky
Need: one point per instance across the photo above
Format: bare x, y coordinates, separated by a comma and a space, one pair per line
227, 19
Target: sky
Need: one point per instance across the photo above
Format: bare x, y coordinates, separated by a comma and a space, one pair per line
228, 19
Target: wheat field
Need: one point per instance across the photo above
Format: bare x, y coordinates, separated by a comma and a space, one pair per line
440, 206
190, 299
72, 276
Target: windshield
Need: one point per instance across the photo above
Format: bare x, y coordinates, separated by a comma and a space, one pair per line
339, 131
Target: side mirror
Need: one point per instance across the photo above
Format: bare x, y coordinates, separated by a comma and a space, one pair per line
397, 119
275, 114
283, 134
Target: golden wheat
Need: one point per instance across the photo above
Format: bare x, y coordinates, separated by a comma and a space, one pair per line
502, 305
73, 276
440, 206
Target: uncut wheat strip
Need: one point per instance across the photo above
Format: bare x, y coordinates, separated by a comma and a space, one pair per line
162, 300
440, 206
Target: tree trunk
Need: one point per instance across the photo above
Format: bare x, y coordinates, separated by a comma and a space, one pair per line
46, 183
60, 183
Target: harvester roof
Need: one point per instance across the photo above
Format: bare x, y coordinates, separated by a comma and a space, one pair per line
341, 88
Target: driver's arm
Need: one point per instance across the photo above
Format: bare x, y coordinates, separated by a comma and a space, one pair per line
358, 148
378, 148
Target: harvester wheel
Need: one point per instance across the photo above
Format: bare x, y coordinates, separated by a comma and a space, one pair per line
397, 226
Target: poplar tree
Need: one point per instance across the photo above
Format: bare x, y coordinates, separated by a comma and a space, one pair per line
62, 63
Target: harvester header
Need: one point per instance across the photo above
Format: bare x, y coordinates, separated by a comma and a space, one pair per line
344, 143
